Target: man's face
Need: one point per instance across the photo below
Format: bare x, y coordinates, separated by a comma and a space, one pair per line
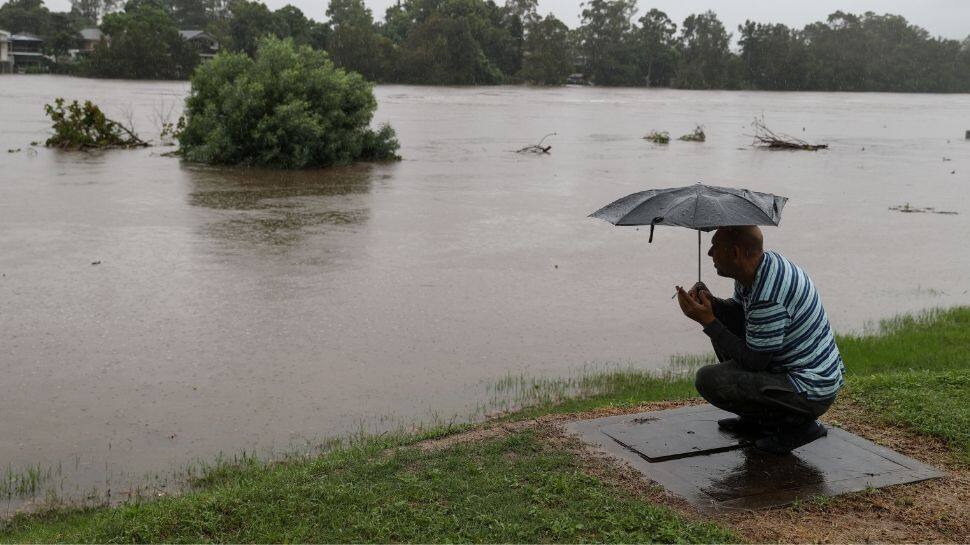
723, 255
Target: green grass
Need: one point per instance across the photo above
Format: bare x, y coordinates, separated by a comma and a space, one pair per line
935, 403
516, 489
914, 370
934, 340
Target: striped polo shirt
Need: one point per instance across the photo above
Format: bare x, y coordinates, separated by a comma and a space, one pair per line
783, 314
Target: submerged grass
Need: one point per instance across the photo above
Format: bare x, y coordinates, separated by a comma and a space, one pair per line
25, 483
914, 370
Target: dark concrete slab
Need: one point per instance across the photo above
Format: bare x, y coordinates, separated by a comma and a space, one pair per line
683, 451
677, 433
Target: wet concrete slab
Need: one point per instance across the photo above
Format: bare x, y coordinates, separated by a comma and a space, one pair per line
683, 450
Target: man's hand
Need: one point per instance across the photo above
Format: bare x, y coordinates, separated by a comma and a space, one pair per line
700, 309
695, 291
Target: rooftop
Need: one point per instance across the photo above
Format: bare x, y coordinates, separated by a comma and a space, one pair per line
25, 38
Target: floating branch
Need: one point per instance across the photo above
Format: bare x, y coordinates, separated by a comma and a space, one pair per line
537, 148
696, 136
906, 208
662, 137
766, 138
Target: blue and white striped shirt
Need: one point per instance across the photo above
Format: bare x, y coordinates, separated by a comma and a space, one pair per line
783, 314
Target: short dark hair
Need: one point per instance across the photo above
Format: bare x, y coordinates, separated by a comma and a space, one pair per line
746, 237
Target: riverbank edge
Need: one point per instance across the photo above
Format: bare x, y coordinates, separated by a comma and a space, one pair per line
930, 347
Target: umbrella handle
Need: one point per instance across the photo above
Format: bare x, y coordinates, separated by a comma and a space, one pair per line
698, 255
655, 221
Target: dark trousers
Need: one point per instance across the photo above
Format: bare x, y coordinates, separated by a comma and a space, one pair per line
761, 396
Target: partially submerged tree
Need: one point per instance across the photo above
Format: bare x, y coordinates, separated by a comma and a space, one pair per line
658, 137
288, 107
696, 136
85, 126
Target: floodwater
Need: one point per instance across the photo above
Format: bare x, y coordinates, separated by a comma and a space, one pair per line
238, 309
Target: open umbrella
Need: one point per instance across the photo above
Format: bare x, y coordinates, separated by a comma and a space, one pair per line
699, 206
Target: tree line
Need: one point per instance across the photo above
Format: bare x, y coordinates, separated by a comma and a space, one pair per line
479, 42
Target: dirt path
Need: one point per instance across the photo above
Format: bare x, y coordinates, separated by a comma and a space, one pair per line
935, 511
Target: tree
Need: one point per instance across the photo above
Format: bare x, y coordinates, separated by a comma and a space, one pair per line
443, 51
657, 48
353, 42
25, 16
705, 60
773, 57
548, 52
145, 44
93, 11
288, 107
608, 42
248, 23
62, 33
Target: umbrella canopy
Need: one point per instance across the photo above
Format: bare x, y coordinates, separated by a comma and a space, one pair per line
699, 206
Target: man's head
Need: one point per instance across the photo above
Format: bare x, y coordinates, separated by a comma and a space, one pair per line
737, 251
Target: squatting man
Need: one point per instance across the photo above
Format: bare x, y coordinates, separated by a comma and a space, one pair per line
779, 367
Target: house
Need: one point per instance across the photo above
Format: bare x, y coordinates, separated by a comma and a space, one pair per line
90, 38
576, 79
206, 45
6, 61
27, 51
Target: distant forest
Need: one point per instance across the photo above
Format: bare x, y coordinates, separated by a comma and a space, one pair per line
479, 42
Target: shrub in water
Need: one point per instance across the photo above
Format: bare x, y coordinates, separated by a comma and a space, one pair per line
288, 107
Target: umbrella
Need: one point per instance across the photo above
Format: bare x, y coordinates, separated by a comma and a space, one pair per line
699, 206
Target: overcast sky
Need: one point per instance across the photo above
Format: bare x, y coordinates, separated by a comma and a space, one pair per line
948, 18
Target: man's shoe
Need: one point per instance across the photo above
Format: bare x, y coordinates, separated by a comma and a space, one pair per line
741, 426
785, 442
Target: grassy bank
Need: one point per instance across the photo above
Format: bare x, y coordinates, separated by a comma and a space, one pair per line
519, 488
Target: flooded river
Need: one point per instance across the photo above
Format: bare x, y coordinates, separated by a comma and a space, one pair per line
237, 310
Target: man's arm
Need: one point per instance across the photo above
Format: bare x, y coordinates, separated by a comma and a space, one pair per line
737, 349
766, 331
765, 325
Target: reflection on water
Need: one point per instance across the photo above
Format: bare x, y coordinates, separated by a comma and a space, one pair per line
278, 208
242, 309
757, 473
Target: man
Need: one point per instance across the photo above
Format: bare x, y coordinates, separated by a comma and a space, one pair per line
780, 368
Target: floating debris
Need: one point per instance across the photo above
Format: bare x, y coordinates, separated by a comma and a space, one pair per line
906, 208
766, 138
696, 136
537, 148
658, 137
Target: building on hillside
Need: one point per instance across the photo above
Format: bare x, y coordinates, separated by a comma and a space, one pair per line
206, 45
6, 61
27, 51
89, 39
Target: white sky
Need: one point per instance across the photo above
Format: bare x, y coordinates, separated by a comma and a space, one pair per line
948, 18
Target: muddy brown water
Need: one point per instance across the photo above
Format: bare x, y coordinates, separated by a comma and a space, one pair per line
263, 311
